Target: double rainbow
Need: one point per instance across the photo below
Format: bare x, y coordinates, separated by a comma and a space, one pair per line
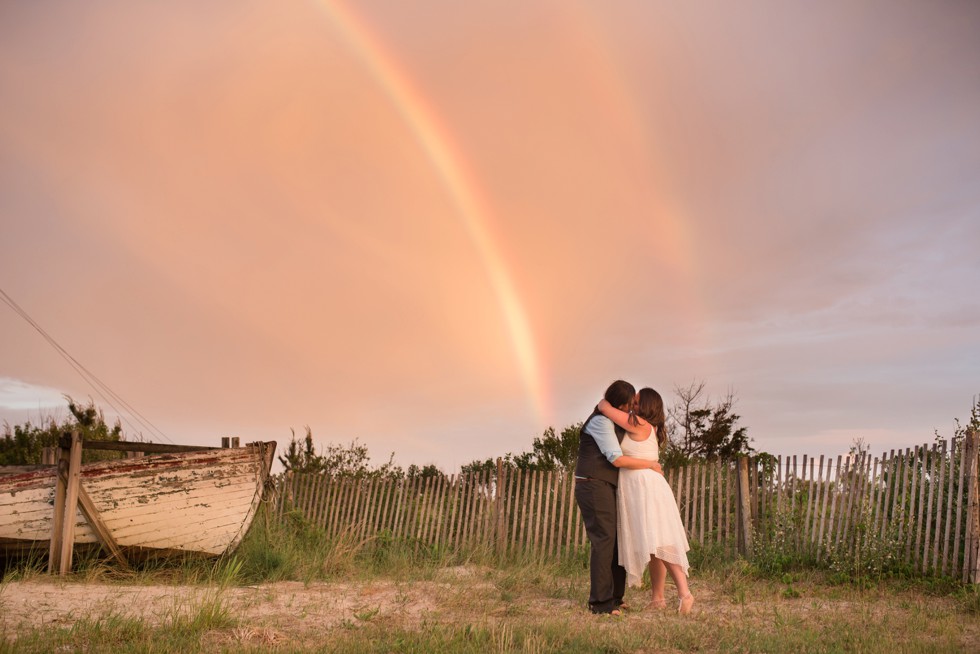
471, 208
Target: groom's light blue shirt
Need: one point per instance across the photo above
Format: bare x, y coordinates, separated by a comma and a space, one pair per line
602, 430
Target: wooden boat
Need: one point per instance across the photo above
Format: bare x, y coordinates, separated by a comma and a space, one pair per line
174, 499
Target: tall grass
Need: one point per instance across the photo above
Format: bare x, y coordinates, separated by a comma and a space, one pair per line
290, 547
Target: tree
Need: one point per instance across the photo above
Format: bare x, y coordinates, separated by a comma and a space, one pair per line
551, 451
960, 431
301, 456
340, 460
354, 461
696, 428
23, 444
424, 472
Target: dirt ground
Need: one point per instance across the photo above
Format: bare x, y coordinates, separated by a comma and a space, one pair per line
287, 613
273, 612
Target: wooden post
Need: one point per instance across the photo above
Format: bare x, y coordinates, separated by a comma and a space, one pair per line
902, 480
476, 506
710, 496
744, 508
453, 499
964, 450
540, 479
702, 514
71, 504
949, 507
268, 457
425, 499
911, 513
381, 505
971, 556
500, 537
850, 477
826, 482
806, 534
440, 510
573, 516
57, 524
890, 480
530, 483
728, 503
929, 512
917, 553
563, 513
937, 539
459, 531
100, 528
69, 494
319, 501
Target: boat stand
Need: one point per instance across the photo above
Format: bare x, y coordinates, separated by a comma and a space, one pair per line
69, 496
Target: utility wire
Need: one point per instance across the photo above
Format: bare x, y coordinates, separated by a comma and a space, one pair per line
90, 378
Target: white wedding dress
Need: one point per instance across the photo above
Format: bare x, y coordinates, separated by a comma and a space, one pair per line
649, 522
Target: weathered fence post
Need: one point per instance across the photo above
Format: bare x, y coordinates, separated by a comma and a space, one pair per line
49, 456
971, 555
501, 531
744, 508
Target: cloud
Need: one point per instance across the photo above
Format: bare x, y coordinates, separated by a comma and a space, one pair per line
20, 395
242, 235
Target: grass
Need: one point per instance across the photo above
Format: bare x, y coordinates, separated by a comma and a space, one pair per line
289, 589
473, 616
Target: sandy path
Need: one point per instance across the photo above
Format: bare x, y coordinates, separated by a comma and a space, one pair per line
283, 606
294, 613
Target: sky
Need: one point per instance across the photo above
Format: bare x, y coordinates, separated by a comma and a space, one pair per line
440, 227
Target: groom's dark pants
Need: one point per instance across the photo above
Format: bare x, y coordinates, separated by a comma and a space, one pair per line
597, 501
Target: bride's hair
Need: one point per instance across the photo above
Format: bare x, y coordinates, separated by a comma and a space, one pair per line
650, 407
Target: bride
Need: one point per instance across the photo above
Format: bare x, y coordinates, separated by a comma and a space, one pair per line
651, 533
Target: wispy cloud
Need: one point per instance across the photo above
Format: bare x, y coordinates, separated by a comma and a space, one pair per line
20, 396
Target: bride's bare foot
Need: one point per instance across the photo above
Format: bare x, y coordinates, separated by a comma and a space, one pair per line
686, 604
657, 605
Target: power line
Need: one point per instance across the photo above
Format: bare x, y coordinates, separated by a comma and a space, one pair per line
90, 378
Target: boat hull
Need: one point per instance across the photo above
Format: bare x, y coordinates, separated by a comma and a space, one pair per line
198, 502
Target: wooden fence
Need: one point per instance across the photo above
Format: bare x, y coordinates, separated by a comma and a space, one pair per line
921, 503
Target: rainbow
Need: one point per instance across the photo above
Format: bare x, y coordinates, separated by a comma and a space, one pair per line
611, 90
471, 208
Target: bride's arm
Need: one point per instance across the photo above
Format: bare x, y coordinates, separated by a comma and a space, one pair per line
633, 463
622, 419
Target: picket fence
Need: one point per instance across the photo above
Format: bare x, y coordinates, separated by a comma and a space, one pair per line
922, 501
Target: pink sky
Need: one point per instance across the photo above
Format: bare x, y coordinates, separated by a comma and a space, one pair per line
440, 227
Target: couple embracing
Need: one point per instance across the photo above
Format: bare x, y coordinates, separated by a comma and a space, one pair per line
628, 508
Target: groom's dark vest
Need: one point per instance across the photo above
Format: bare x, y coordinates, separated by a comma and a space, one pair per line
592, 463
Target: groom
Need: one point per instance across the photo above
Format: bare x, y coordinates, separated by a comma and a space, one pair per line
596, 476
